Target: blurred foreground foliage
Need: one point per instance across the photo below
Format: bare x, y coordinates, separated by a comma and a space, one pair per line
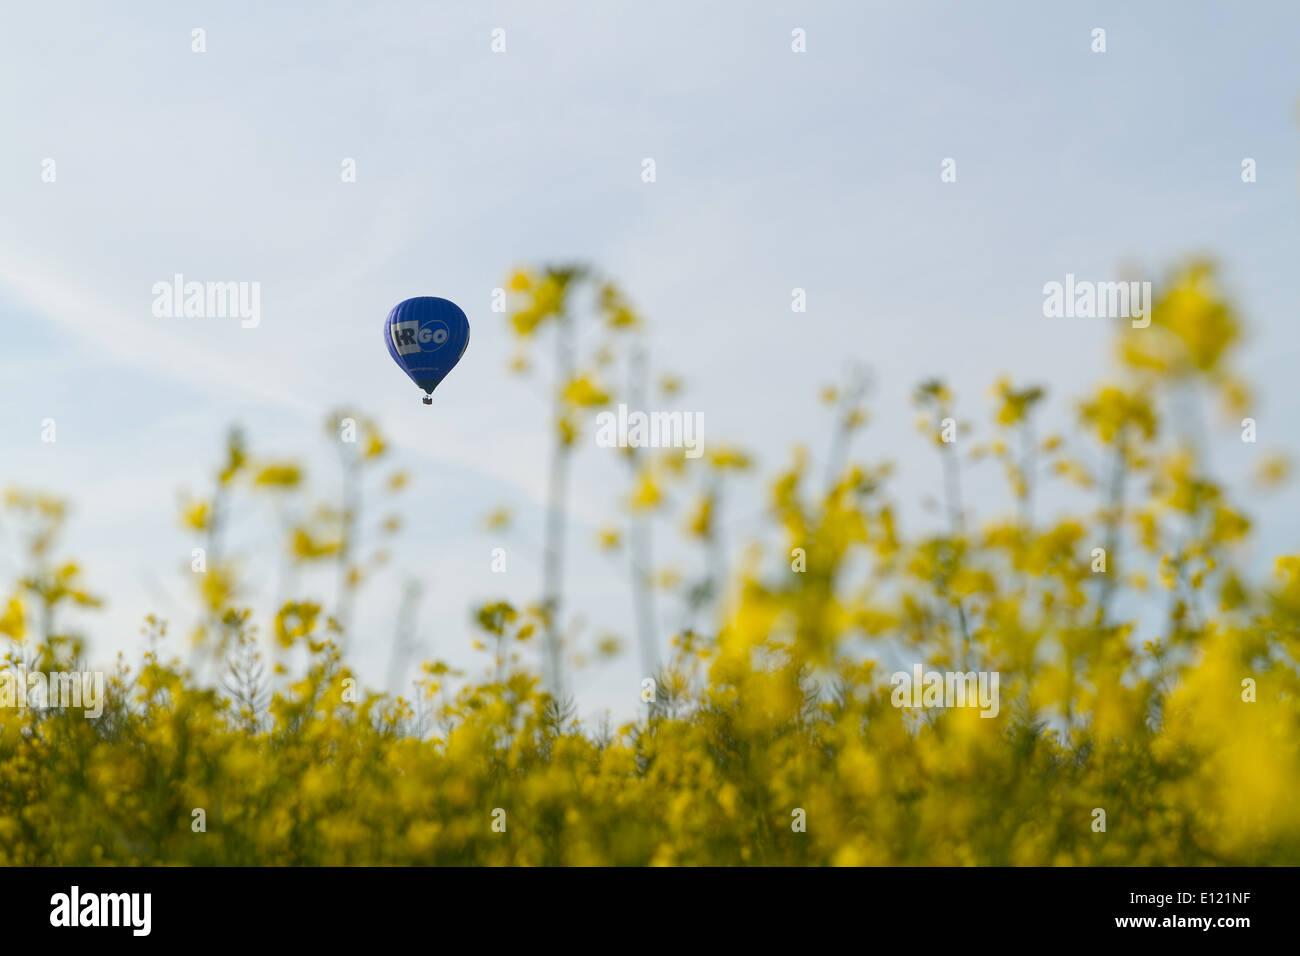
1123, 689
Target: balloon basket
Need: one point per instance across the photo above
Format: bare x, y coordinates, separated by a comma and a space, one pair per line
428, 399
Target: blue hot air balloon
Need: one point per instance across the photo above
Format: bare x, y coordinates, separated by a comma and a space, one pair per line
426, 336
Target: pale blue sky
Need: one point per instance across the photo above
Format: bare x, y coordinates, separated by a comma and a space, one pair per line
775, 170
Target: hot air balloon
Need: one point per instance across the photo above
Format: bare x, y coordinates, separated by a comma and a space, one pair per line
426, 336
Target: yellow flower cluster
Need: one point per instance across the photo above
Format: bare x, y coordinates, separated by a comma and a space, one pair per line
1149, 713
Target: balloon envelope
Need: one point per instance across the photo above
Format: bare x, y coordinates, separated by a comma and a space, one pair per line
426, 336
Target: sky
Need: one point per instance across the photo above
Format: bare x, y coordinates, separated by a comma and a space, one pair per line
775, 170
